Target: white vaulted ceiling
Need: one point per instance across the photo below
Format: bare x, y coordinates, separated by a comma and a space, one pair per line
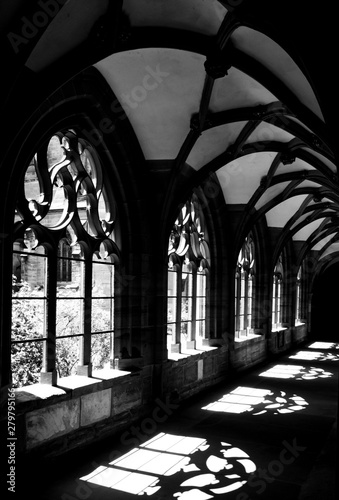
210, 89
258, 122
159, 107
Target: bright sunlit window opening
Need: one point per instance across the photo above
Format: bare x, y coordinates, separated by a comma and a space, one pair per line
188, 281
63, 293
244, 290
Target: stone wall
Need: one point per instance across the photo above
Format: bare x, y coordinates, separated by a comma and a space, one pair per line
287, 337
247, 353
82, 410
299, 333
187, 376
279, 340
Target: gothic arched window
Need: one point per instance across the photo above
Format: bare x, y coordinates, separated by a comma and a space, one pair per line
63, 264
277, 293
300, 291
188, 268
244, 289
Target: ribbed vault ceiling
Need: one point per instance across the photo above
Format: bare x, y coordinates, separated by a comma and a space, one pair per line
211, 91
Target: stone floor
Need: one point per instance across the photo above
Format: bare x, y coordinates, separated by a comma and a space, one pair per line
269, 433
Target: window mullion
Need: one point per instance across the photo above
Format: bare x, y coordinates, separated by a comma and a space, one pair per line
273, 301
112, 313
194, 307
85, 366
249, 301
237, 303
242, 302
279, 300
246, 301
48, 373
178, 311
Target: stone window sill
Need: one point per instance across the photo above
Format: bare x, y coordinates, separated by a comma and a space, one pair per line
250, 336
75, 384
108, 374
186, 353
279, 329
37, 391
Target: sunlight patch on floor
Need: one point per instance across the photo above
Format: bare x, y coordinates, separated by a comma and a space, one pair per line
248, 399
143, 470
296, 372
324, 345
315, 356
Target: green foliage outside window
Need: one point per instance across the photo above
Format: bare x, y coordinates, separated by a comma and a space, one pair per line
27, 321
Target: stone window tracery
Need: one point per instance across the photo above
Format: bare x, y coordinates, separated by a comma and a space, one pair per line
244, 288
64, 257
300, 283
188, 277
277, 293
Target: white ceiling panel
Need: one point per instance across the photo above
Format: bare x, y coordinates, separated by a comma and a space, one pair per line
297, 166
241, 177
159, 90
304, 217
271, 193
322, 242
334, 248
277, 60
328, 163
268, 132
213, 142
306, 231
281, 213
238, 90
194, 15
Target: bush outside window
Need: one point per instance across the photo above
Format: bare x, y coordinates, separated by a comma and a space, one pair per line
64, 259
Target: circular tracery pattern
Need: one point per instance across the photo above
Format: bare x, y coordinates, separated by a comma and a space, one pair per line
188, 235
64, 186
